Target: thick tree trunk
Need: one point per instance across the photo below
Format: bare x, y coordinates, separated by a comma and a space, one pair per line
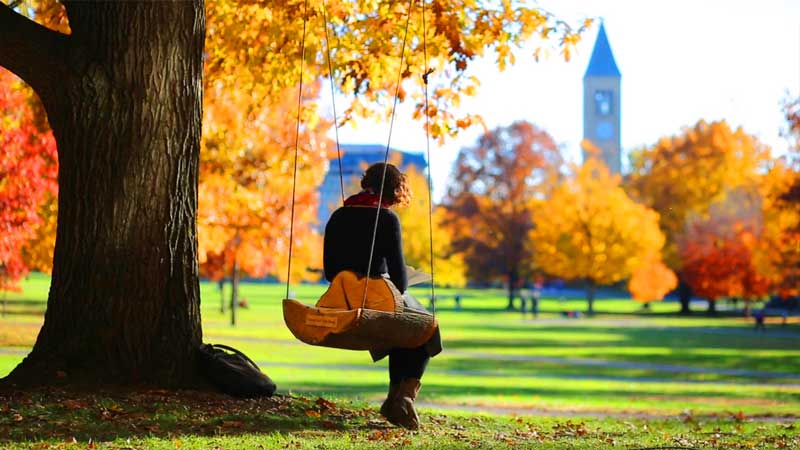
712, 308
590, 290
126, 114
685, 295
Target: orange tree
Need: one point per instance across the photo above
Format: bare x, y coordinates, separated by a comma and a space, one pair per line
589, 229
684, 174
28, 171
778, 254
123, 93
651, 280
717, 249
489, 200
245, 190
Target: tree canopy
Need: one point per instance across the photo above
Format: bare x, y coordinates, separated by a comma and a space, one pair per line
493, 188
589, 229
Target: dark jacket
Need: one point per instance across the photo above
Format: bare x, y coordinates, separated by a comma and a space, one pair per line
348, 236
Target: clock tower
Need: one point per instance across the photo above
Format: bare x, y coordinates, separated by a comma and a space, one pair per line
601, 103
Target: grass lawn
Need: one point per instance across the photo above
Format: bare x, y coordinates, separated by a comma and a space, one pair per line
624, 377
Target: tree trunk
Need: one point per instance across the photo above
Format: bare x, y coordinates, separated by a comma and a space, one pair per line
685, 295
712, 308
234, 290
126, 113
590, 290
512, 282
221, 284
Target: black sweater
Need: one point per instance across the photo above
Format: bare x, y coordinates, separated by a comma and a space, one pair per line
348, 236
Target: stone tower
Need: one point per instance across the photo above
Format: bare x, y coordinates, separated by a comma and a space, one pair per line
601, 103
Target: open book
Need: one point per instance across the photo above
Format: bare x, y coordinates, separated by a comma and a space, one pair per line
416, 276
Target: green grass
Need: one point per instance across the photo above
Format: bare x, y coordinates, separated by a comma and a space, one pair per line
623, 359
171, 420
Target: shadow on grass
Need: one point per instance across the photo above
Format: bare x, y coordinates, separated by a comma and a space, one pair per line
576, 396
57, 415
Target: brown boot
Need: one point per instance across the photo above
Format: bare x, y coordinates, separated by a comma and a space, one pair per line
393, 389
400, 410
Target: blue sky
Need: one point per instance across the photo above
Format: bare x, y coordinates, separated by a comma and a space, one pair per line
680, 60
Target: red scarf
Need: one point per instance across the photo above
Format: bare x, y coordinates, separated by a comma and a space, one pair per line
365, 198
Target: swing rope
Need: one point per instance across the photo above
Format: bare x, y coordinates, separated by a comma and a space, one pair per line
333, 94
428, 152
296, 146
386, 154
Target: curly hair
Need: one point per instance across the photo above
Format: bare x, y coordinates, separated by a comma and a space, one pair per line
396, 190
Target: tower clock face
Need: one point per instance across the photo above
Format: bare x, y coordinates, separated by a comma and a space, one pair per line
604, 130
603, 100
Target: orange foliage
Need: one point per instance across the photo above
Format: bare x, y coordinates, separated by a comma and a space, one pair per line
590, 229
683, 175
651, 281
491, 197
28, 171
718, 250
245, 190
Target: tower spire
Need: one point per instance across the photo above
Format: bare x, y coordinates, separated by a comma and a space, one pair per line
602, 63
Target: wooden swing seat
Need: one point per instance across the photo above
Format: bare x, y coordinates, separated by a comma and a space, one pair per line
338, 321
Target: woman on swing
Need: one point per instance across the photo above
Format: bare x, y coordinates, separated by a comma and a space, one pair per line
348, 239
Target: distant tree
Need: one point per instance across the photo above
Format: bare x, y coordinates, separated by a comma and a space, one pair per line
589, 229
651, 280
245, 190
717, 248
490, 198
683, 175
449, 267
28, 171
776, 252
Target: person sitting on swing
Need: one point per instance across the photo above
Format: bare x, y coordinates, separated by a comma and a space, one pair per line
348, 243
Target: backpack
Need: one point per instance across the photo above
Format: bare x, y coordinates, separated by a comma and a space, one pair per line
232, 372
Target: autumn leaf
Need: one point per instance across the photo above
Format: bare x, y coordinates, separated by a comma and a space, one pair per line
324, 404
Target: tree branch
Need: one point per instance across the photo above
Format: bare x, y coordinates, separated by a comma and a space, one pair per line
31, 51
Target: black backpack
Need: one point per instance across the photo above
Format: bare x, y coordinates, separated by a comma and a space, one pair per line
232, 372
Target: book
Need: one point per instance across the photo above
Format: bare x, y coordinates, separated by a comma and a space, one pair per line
416, 276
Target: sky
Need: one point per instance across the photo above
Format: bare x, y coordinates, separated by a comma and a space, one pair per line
681, 61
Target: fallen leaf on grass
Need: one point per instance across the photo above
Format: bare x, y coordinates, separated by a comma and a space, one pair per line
16, 418
312, 413
325, 404
328, 425
74, 404
232, 424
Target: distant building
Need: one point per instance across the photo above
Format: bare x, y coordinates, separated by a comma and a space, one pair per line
355, 159
601, 103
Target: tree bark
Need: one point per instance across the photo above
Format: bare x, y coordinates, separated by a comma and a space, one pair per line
234, 290
685, 295
712, 308
126, 114
221, 285
590, 290
512, 282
